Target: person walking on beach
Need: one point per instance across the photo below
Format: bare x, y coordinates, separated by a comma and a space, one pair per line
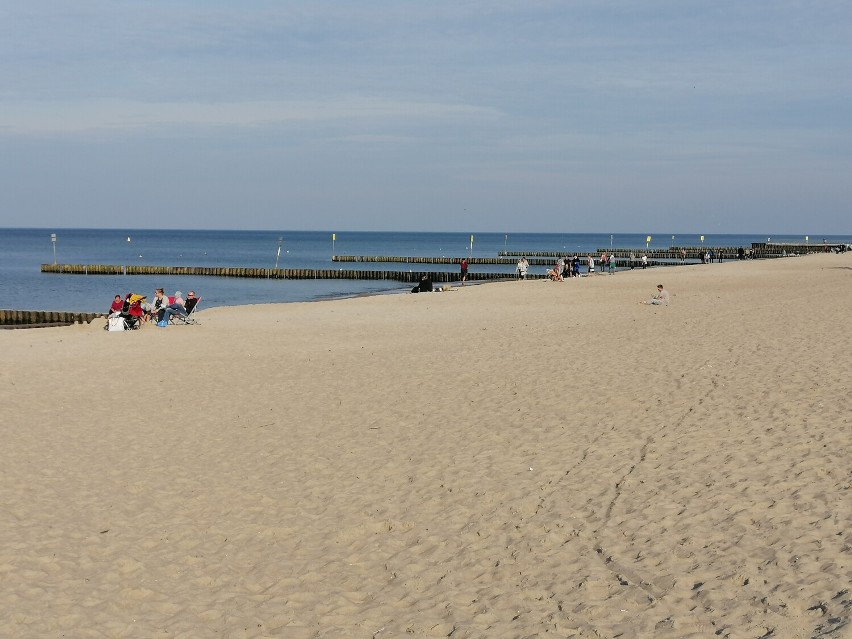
644, 261
463, 270
591, 265
523, 267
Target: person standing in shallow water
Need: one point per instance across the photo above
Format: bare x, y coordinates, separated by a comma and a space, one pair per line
463, 270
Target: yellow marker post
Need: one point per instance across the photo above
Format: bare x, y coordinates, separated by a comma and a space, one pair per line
647, 241
333, 238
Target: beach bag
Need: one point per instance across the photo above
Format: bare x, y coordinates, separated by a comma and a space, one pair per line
115, 324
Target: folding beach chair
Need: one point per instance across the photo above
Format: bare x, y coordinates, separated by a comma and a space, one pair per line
190, 306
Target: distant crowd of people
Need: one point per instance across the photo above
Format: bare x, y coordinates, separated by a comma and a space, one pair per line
567, 267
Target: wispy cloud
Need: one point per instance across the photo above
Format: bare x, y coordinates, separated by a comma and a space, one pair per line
121, 115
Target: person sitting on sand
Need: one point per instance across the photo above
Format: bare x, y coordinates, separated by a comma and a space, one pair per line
117, 305
425, 285
554, 274
557, 270
660, 298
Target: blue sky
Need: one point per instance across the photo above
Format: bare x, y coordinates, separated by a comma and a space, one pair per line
536, 115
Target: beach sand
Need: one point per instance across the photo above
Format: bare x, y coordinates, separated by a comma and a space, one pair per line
518, 459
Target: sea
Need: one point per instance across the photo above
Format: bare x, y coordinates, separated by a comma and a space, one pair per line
23, 250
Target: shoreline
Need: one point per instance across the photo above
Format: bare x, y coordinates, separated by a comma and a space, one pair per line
86, 315
25, 250
508, 460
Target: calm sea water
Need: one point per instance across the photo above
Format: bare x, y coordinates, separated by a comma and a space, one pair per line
24, 287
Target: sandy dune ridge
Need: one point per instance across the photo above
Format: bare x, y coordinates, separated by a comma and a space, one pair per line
518, 459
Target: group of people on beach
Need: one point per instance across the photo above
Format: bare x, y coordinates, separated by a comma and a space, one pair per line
563, 268
566, 267
136, 309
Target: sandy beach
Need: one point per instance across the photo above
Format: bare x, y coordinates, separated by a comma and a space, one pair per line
517, 459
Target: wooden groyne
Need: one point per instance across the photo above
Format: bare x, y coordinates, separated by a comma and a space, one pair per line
758, 250
390, 259
673, 253
37, 319
625, 257
268, 273
781, 249
499, 261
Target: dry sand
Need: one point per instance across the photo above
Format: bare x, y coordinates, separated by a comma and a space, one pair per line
522, 459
